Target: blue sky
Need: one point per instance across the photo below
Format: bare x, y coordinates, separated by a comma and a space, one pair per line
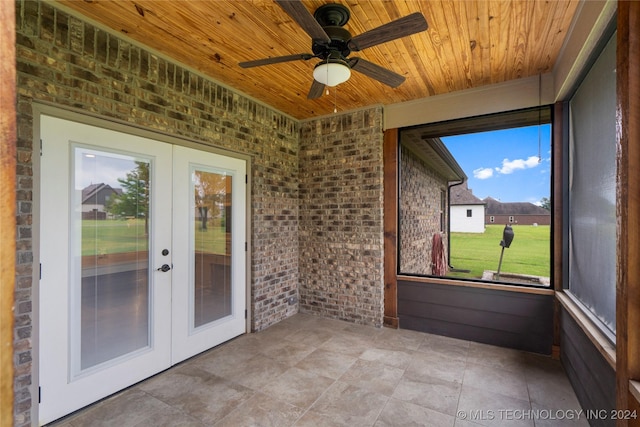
504, 164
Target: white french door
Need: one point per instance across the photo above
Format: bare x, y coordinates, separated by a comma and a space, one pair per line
209, 269
142, 258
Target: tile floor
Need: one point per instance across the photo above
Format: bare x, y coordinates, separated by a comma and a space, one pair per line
310, 371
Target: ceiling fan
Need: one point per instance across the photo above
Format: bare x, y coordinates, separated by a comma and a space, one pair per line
333, 44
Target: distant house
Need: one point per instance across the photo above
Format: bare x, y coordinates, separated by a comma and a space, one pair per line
94, 199
466, 210
523, 213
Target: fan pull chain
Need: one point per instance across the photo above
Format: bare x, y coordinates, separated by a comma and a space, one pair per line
328, 61
539, 117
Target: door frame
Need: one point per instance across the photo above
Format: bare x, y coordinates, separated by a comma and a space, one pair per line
84, 117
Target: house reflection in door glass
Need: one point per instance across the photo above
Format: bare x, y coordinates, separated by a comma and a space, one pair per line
111, 215
211, 292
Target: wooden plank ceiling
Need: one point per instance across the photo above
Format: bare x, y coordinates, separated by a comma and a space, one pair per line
469, 43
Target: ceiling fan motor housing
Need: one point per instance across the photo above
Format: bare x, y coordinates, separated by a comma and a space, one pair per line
332, 17
339, 43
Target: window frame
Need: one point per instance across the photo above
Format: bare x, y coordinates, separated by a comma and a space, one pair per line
539, 115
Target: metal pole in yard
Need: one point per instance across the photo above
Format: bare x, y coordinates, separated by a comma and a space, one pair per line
507, 238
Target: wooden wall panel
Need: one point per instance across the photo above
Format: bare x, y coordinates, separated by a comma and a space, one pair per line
592, 377
628, 205
509, 319
390, 155
7, 206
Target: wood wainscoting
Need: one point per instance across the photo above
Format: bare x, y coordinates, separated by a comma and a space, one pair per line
507, 318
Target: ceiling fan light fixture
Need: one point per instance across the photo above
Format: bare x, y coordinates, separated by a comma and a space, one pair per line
332, 73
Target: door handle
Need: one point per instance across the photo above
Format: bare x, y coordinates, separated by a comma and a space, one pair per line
164, 268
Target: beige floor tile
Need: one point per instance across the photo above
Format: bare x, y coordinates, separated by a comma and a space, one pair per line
390, 357
171, 418
256, 372
225, 362
198, 393
287, 352
297, 387
548, 385
499, 357
327, 363
399, 339
465, 423
175, 382
279, 331
311, 337
348, 343
497, 380
436, 365
311, 371
430, 392
337, 419
364, 330
344, 402
373, 376
132, 408
491, 409
543, 416
451, 348
263, 411
397, 413
316, 323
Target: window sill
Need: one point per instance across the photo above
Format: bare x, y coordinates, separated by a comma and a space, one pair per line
599, 340
478, 284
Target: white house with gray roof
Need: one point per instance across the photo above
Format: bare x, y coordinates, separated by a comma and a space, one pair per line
466, 210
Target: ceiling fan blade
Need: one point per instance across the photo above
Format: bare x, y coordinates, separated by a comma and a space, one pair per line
377, 72
301, 15
402, 27
316, 90
275, 60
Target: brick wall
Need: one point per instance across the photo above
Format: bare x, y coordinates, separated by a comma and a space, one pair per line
420, 208
64, 61
341, 232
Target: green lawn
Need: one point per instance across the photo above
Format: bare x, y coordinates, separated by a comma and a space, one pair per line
529, 252
114, 236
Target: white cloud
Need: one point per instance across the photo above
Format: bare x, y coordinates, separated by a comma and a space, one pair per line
483, 173
510, 166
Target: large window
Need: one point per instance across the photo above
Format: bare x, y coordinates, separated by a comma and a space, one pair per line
592, 191
495, 174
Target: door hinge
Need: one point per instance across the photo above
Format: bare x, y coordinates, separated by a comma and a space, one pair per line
245, 246
246, 179
39, 394
40, 271
245, 314
40, 148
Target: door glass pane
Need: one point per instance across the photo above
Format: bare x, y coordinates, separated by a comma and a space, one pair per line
110, 241
211, 225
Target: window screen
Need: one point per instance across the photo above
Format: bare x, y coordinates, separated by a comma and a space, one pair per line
592, 190
488, 171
